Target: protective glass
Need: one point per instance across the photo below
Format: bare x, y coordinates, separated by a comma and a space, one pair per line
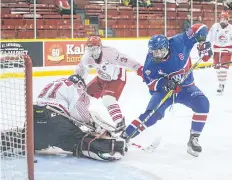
94, 51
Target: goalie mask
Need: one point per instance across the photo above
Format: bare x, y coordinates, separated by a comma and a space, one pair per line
94, 47
224, 16
78, 81
159, 47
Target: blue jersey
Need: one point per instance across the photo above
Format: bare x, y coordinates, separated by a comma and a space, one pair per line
178, 61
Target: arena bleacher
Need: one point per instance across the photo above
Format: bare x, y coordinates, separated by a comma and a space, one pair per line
17, 18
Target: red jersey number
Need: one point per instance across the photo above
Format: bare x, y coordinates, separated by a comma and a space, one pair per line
51, 89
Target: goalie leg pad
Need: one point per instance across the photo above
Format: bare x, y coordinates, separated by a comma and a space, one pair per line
51, 129
102, 148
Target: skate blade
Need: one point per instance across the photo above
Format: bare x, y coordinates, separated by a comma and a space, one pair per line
193, 153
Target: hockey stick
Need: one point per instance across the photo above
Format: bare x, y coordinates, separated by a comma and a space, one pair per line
150, 148
214, 65
70, 118
169, 94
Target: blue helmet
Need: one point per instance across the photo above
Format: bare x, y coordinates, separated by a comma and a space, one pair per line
159, 47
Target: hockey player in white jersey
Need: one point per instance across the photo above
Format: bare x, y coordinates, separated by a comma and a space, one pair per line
68, 97
109, 83
220, 35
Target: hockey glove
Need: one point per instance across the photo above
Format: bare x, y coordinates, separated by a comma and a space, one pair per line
140, 71
172, 85
205, 51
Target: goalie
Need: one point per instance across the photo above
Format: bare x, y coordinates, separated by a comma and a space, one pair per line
62, 119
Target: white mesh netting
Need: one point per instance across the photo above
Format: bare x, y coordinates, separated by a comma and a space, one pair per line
13, 117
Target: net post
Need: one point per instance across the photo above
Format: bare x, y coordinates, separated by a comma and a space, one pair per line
29, 117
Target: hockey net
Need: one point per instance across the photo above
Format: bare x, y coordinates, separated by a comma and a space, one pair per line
16, 117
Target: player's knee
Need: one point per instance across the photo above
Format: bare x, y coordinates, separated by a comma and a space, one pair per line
153, 119
201, 104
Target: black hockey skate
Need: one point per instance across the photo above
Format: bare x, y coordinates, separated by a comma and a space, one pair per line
193, 146
220, 89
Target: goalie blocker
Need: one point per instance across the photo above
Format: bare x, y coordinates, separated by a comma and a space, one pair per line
51, 129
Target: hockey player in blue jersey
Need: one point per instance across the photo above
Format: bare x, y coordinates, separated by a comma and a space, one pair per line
166, 62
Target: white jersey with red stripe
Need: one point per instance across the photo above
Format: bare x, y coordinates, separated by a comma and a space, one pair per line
64, 95
220, 37
112, 64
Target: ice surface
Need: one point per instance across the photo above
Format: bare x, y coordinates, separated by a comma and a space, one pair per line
170, 160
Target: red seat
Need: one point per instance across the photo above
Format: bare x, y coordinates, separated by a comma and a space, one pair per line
172, 24
208, 14
171, 15
171, 5
52, 22
7, 27
111, 10
152, 31
183, 7
142, 31
75, 16
155, 16
5, 11
46, 16
182, 15
157, 7
125, 10
65, 33
158, 22
13, 21
20, 10
46, 1
110, 21
93, 10
123, 20
11, 16
207, 7
21, 5
121, 30
9, 34
31, 22
197, 14
47, 33
40, 6
171, 32
26, 34
142, 10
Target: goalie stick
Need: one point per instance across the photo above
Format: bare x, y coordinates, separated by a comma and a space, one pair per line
71, 118
97, 119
